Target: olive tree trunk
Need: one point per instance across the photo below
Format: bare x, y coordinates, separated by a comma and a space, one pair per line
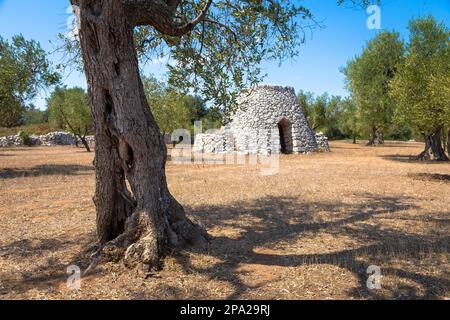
372, 136
144, 221
436, 146
425, 154
380, 137
448, 141
85, 143
433, 144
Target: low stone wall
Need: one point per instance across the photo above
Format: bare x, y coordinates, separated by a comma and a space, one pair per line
210, 143
322, 142
50, 139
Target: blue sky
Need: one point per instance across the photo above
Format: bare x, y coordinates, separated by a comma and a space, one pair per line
316, 69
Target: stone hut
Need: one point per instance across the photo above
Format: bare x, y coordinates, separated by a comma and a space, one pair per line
268, 120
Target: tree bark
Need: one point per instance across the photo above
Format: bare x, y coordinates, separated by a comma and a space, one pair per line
380, 137
85, 143
144, 222
372, 136
433, 144
448, 141
425, 154
354, 139
436, 146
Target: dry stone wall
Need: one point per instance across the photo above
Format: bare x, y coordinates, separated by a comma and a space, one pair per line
322, 142
50, 139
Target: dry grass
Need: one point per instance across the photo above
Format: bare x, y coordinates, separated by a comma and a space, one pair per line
37, 129
309, 232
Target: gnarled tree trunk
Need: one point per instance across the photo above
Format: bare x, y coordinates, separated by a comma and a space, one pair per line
372, 137
433, 144
380, 137
436, 145
143, 222
425, 154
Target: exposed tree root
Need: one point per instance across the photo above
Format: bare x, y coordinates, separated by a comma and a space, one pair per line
143, 246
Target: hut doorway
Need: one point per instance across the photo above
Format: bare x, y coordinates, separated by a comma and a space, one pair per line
285, 130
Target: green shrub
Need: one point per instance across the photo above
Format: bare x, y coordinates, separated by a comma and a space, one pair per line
25, 137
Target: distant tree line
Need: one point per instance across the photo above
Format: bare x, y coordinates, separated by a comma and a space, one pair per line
25, 70
397, 91
174, 110
339, 118
68, 109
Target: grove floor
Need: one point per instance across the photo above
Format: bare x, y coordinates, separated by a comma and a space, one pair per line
308, 232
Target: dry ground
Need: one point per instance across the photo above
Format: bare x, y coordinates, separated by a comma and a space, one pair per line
309, 232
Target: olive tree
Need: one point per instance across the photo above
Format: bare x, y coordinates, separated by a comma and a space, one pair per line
69, 109
421, 86
215, 47
368, 76
24, 70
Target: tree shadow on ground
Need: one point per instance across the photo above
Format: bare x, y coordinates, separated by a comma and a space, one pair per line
28, 249
445, 178
45, 170
397, 145
349, 146
47, 262
410, 159
284, 220
274, 223
16, 149
364, 145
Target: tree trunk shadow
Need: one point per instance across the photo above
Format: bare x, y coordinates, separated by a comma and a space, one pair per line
274, 226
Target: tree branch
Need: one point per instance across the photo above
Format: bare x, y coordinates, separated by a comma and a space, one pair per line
173, 4
227, 28
160, 15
